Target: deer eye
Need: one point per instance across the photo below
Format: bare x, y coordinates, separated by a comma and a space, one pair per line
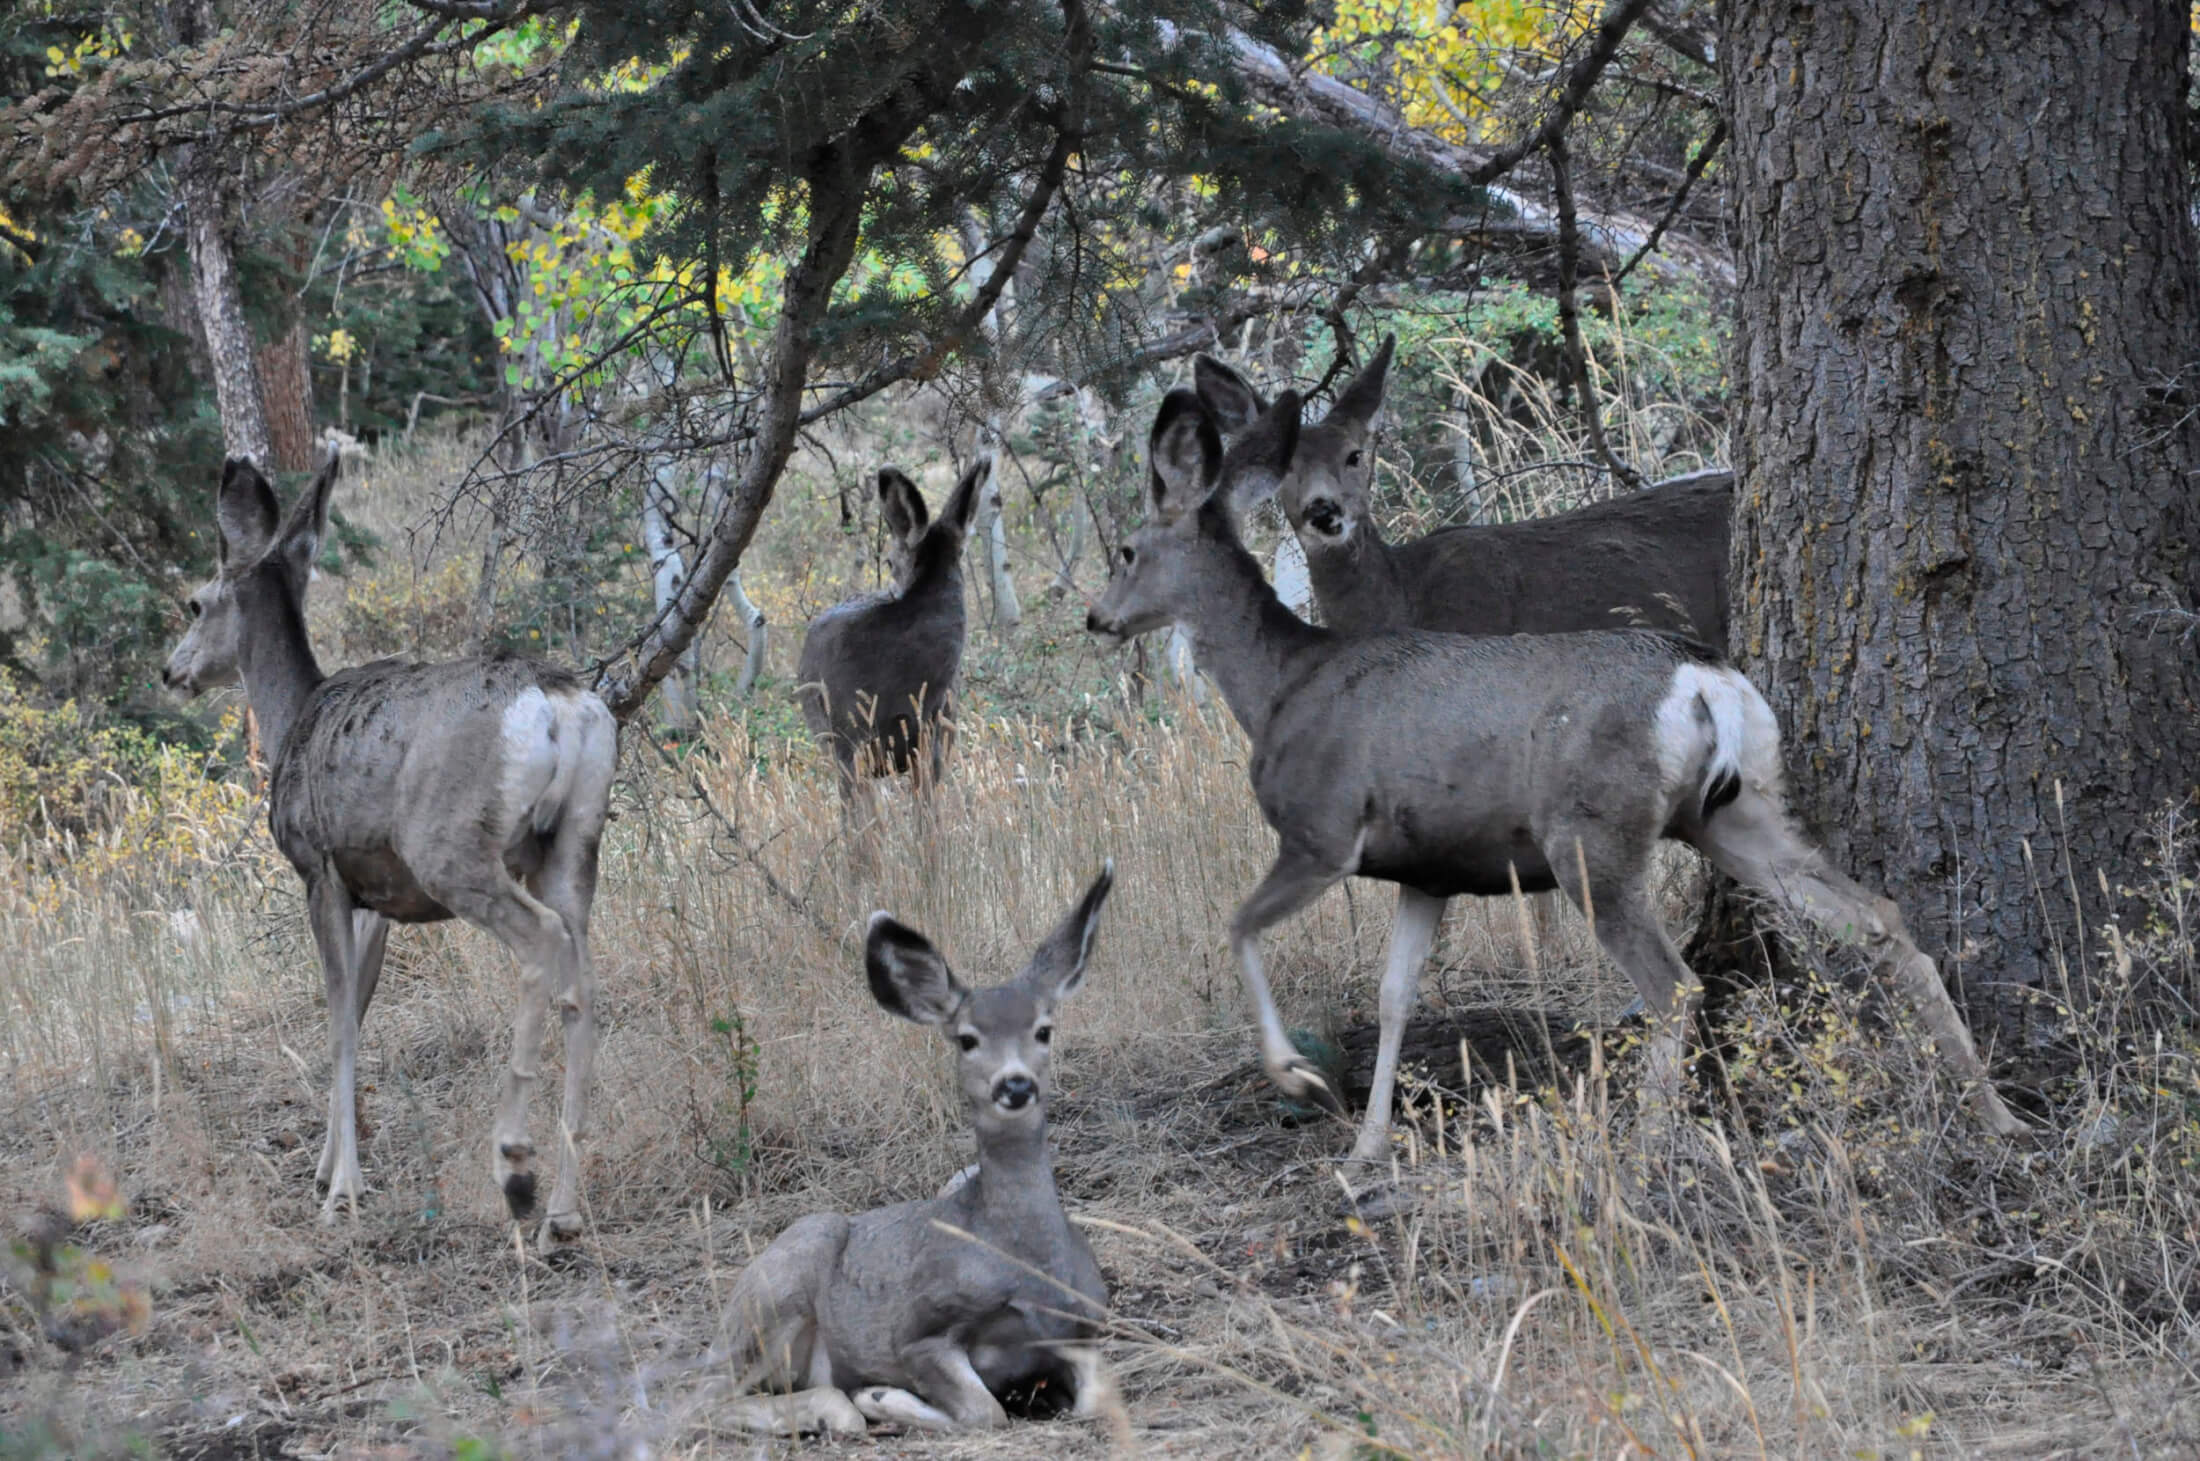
1130, 555
1352, 459
194, 607
967, 1041
1044, 1034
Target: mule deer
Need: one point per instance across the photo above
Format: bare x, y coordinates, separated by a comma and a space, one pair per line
410, 793
924, 1313
1652, 559
877, 674
1447, 763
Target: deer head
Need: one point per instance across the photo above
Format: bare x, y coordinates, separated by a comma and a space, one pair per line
1196, 491
1003, 1035
909, 526
1327, 494
261, 558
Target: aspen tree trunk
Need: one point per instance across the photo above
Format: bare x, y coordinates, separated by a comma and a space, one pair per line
220, 304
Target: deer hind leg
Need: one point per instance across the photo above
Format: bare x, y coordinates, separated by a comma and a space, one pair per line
1751, 841
1412, 930
370, 939
1616, 901
567, 884
1295, 880
329, 907
548, 955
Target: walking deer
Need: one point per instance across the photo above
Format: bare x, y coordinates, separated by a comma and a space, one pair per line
877, 674
1448, 764
411, 793
925, 1313
1652, 559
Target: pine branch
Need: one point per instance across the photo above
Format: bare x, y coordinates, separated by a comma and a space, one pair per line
1569, 312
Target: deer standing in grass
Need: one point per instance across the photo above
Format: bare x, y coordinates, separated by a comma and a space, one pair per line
1652, 559
877, 674
923, 1314
1449, 764
411, 793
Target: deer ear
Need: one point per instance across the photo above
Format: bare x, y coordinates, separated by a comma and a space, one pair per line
1184, 453
1262, 457
908, 976
1226, 394
1058, 966
244, 511
1361, 401
903, 505
962, 504
307, 526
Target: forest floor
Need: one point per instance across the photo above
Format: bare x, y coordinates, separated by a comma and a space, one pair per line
1838, 1264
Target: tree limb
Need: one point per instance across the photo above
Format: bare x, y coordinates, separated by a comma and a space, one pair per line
1569, 313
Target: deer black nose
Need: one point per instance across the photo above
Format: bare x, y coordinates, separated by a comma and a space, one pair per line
1093, 624
168, 677
1325, 517
1015, 1093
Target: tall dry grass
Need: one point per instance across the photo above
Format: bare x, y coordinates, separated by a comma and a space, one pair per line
1837, 1266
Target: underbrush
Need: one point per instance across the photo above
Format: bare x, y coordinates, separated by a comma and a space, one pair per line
1834, 1263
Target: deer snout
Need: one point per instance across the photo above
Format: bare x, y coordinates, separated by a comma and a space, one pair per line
1325, 516
1014, 1092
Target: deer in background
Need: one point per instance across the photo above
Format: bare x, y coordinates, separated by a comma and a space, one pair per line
923, 1314
877, 674
1452, 764
1652, 559
411, 793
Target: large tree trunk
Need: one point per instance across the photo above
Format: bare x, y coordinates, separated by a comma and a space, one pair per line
1966, 523
221, 315
286, 394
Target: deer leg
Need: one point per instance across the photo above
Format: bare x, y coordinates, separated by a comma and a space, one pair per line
544, 946
1295, 881
1096, 1393
822, 1411
1751, 841
952, 1398
1412, 930
568, 886
1616, 901
329, 907
370, 938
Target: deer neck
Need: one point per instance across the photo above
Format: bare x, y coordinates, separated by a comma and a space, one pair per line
1357, 582
275, 658
1242, 636
1014, 1190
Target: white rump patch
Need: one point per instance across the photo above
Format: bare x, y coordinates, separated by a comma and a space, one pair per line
1713, 723
551, 742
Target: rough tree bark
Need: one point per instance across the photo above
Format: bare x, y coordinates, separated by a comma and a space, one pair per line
221, 314
286, 395
1968, 349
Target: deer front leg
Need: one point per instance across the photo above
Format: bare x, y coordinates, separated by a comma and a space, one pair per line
370, 939
953, 1397
1295, 881
329, 908
1412, 931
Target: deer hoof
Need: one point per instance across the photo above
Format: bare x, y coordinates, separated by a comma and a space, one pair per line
1301, 1082
515, 1175
560, 1228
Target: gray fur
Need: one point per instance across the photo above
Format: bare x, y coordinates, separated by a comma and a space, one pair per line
1652, 559
921, 1324
411, 793
877, 675
1452, 764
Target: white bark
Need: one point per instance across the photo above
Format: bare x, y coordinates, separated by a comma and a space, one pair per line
759, 632
678, 704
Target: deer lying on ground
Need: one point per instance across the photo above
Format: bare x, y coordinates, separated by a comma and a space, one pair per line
877, 674
923, 1314
1651, 559
410, 793
1450, 764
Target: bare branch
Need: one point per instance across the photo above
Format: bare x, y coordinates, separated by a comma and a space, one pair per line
1696, 165
1569, 313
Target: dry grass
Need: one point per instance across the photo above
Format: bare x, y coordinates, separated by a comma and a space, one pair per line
1840, 1267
